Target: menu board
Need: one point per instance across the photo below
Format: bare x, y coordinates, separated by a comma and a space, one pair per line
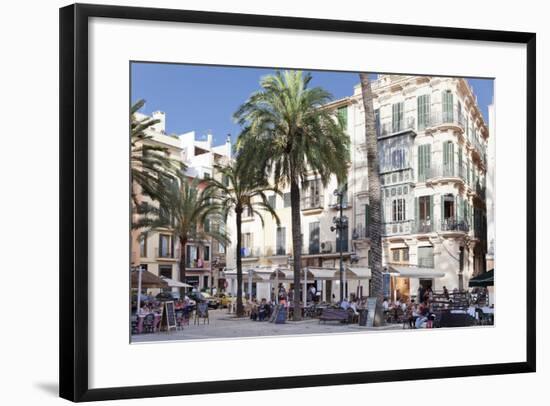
169, 315
371, 311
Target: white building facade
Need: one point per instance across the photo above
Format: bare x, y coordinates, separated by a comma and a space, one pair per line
433, 163
158, 251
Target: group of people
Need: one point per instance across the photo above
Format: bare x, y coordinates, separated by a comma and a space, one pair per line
260, 311
413, 313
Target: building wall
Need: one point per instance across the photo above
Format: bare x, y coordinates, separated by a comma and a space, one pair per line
449, 232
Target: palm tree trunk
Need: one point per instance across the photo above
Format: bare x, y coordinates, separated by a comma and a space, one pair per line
240, 309
183, 242
296, 245
375, 217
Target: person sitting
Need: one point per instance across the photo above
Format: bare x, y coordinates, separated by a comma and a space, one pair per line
344, 304
424, 312
353, 306
263, 310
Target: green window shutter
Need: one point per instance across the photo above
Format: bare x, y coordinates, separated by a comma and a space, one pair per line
428, 159
420, 164
460, 169
397, 117
447, 106
343, 115
423, 111
366, 216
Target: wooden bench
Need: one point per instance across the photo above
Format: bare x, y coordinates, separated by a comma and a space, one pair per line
331, 314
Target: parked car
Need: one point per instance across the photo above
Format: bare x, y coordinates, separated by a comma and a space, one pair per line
212, 301
224, 299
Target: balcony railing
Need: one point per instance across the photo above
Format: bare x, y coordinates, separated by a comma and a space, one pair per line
423, 226
360, 232
251, 252
447, 117
312, 202
398, 227
389, 127
453, 224
480, 149
443, 171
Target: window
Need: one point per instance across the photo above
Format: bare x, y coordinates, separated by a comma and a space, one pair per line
397, 117
400, 255
423, 111
426, 257
206, 175
206, 253
424, 162
166, 271
313, 193
191, 256
398, 159
225, 180
343, 115
286, 199
448, 158
281, 241
366, 216
314, 237
207, 227
143, 245
447, 106
221, 248
344, 243
424, 213
166, 246
271, 200
246, 244
398, 210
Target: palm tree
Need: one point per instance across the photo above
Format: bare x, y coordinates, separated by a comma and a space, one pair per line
374, 224
287, 133
184, 208
242, 189
150, 163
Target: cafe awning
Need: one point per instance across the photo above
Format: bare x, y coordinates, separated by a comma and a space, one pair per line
148, 280
483, 280
175, 284
356, 272
321, 273
415, 272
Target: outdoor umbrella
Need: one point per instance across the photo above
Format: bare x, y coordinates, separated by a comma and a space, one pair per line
148, 280
483, 280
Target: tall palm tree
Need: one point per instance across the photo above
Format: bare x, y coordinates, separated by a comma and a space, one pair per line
150, 163
375, 214
288, 133
184, 208
242, 189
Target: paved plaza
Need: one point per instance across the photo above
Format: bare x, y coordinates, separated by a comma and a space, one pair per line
224, 325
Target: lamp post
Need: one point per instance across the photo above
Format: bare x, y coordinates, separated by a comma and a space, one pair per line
138, 304
340, 223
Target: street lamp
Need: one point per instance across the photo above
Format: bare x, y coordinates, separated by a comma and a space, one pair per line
340, 223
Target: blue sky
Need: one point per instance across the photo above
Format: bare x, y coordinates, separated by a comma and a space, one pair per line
203, 98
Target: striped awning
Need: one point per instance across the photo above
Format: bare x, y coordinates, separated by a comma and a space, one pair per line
415, 272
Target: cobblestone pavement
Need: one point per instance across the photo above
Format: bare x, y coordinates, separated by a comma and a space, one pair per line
224, 325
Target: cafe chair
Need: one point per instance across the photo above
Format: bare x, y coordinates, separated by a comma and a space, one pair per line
148, 323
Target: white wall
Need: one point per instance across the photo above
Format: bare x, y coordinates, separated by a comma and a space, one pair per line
30, 73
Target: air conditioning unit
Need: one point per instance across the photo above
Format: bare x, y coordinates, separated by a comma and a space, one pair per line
326, 247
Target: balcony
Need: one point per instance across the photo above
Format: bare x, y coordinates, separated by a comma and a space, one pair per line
391, 127
423, 226
479, 149
251, 253
275, 251
311, 203
197, 264
451, 224
360, 233
444, 172
398, 227
445, 118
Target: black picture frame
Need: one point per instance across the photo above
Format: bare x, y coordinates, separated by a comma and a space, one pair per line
74, 196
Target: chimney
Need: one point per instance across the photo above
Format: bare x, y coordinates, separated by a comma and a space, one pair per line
228, 145
209, 138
